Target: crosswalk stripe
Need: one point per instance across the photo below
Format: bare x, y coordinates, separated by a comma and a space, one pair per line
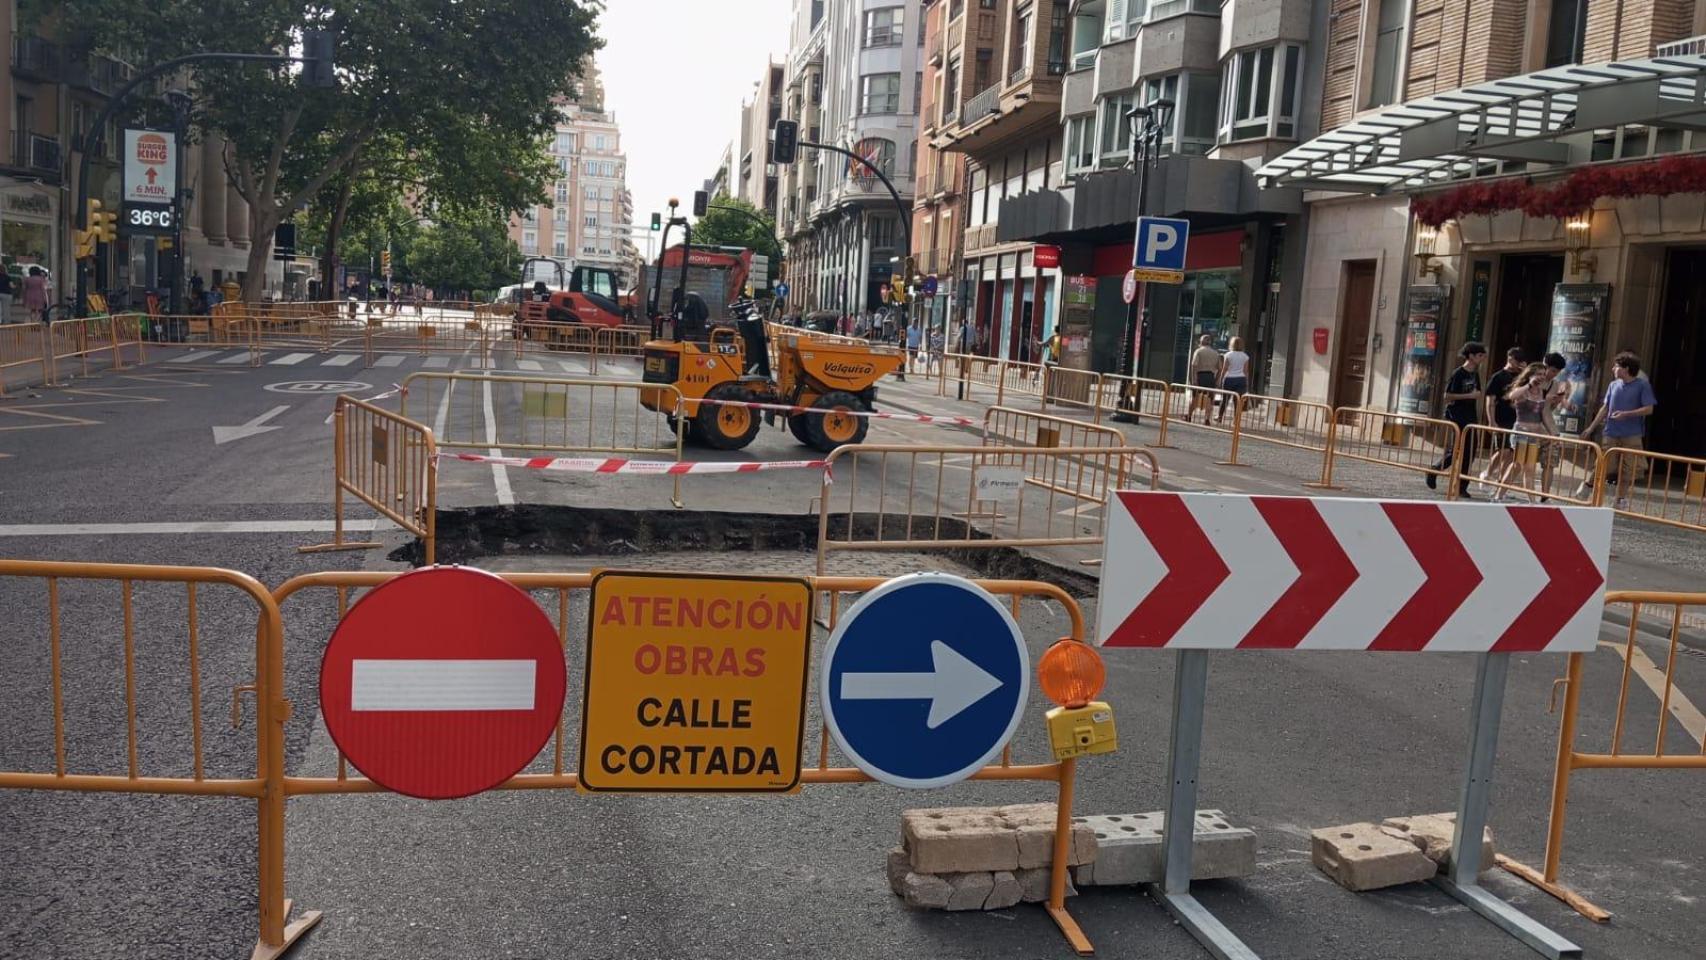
341, 360
242, 357
290, 359
530, 365
389, 360
436, 363
572, 366
198, 355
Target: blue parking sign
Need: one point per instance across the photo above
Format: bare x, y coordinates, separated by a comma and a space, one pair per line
1160, 243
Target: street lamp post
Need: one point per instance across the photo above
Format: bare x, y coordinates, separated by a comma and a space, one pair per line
317, 51
1156, 115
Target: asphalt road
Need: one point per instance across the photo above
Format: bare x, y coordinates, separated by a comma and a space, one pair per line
1293, 742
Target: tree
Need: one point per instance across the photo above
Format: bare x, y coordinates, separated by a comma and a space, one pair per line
417, 71
465, 253
743, 226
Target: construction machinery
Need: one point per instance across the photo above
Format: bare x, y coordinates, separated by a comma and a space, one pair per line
553, 292
732, 365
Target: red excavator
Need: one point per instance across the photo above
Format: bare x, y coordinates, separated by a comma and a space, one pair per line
552, 292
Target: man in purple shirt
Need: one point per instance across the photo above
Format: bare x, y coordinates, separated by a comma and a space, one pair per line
1628, 402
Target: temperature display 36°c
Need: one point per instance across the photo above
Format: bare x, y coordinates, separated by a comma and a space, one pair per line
147, 218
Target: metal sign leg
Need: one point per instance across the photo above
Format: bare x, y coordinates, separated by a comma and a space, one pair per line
1463, 880
1184, 756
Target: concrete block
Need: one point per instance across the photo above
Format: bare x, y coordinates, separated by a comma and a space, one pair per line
1130, 849
986, 839
1005, 891
926, 891
971, 890
898, 866
1035, 883
1431, 832
1360, 856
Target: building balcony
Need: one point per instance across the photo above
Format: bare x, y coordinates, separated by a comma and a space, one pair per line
35, 58
98, 73
1690, 46
933, 50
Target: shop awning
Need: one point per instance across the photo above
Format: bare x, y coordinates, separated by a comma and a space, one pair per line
1537, 122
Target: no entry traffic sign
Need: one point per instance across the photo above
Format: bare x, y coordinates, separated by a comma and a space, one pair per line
442, 683
1224, 571
924, 680
695, 683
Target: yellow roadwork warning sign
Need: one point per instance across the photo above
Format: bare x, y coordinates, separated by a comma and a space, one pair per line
695, 683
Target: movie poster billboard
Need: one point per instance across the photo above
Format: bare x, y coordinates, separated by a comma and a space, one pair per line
1418, 373
1578, 324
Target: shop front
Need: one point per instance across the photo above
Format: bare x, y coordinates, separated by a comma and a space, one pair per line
29, 224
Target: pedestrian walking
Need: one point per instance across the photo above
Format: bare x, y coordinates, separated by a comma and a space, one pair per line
5, 295
1205, 374
35, 294
1629, 401
1463, 396
938, 344
1234, 375
914, 341
1532, 422
1501, 412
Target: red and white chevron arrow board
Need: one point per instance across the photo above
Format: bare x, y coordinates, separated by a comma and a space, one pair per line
1222, 571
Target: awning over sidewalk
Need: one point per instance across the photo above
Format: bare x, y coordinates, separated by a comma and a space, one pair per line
1539, 121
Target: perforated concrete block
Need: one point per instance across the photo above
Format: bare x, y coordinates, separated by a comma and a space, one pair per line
1361, 856
1131, 850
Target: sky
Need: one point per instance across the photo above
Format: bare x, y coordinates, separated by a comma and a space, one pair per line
675, 72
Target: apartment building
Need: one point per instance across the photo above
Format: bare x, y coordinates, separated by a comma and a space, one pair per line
589, 215
756, 177
938, 206
852, 79
53, 91
1473, 181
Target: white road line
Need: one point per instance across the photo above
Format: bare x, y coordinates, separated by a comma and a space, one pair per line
443, 409
500, 476
198, 355
389, 360
236, 358
570, 366
341, 360
290, 359
532, 366
436, 363
191, 526
1692, 720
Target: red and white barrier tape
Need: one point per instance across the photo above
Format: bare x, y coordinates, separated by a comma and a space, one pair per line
647, 467
872, 414
395, 390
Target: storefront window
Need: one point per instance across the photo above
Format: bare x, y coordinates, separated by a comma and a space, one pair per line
27, 242
1208, 304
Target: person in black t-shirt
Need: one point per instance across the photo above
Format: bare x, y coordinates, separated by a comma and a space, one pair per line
1500, 412
1463, 407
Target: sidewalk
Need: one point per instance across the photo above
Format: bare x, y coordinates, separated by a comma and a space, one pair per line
1645, 556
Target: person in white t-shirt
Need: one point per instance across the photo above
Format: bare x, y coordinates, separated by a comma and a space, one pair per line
1234, 373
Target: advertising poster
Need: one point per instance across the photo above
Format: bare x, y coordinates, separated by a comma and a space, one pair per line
1578, 323
1418, 374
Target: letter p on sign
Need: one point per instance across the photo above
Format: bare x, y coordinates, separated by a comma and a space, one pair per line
1161, 243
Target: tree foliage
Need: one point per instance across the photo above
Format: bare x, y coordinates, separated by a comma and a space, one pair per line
465, 253
743, 226
470, 78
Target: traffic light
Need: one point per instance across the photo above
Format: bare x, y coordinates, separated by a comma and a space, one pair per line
787, 141
318, 51
385, 262
657, 221
85, 244
103, 225
701, 202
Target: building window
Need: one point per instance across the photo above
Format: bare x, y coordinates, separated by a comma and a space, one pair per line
1080, 144
1388, 53
598, 142
950, 91
564, 165
1196, 103
1564, 32
560, 215
1021, 46
877, 152
1259, 100
1172, 8
1057, 30
591, 219
560, 248
562, 191
590, 192
885, 27
1113, 27
980, 79
563, 141
1114, 131
1086, 38
879, 93
530, 241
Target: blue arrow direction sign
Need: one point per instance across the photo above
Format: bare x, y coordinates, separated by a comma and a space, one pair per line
924, 680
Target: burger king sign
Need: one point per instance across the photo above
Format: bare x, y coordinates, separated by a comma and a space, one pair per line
150, 166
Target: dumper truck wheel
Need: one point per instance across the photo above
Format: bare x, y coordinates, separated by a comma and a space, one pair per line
726, 427
800, 426
689, 431
830, 430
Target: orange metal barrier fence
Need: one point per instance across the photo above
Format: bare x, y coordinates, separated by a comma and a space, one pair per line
178, 648
22, 346
1672, 746
1401, 441
1660, 487
388, 462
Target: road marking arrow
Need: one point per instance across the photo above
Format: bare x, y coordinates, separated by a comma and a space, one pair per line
252, 428
953, 685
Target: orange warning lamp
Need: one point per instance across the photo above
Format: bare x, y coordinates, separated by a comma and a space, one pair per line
1071, 674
